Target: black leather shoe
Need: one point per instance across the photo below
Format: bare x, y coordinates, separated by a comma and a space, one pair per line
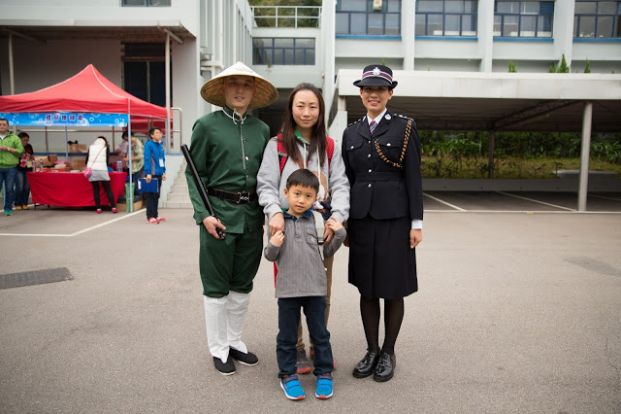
244, 358
366, 366
385, 368
225, 368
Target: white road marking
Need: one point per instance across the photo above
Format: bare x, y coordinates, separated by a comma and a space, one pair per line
444, 202
535, 201
74, 233
604, 197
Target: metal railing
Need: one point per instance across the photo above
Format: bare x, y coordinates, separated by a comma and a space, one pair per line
286, 16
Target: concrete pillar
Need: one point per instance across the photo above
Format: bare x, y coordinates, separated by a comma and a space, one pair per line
486, 34
583, 186
408, 8
563, 29
169, 135
327, 55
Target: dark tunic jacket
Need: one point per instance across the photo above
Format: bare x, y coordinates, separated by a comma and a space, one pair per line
380, 190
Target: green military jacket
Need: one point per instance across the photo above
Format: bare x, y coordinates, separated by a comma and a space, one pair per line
227, 152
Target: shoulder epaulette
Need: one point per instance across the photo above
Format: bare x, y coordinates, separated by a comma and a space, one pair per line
355, 122
404, 116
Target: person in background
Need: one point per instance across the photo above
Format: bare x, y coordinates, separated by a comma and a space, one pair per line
97, 161
303, 143
382, 161
123, 147
137, 161
11, 150
26, 162
154, 168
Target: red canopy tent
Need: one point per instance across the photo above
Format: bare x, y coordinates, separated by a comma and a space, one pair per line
86, 91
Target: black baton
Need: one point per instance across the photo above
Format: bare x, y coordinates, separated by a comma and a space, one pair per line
201, 187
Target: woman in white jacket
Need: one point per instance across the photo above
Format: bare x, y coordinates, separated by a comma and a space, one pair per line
303, 143
97, 161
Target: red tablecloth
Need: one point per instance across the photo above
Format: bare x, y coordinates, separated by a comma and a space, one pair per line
71, 189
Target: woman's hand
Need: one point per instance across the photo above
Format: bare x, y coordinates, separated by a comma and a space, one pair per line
416, 236
277, 223
332, 225
164, 177
212, 224
148, 178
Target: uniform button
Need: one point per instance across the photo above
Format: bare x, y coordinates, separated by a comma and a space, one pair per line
370, 170
388, 145
370, 185
247, 158
352, 147
369, 156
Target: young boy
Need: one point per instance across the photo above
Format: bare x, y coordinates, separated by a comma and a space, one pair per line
301, 283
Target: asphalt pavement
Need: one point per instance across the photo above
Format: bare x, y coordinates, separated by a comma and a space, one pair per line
516, 313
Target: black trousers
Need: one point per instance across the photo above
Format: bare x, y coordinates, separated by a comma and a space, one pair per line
152, 199
107, 189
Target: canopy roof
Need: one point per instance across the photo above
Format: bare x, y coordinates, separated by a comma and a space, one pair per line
86, 91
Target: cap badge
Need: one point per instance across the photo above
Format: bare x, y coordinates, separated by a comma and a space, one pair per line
376, 71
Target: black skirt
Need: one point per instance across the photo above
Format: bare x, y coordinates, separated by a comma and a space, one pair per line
381, 263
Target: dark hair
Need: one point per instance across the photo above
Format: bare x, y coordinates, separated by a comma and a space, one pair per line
5, 120
303, 178
125, 134
23, 134
152, 130
105, 140
287, 130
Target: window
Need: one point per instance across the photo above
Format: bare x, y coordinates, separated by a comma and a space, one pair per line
283, 51
358, 17
144, 71
146, 3
597, 19
446, 18
523, 18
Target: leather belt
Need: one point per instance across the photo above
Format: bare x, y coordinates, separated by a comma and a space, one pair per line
237, 197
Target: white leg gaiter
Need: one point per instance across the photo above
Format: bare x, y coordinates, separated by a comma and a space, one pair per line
236, 307
216, 324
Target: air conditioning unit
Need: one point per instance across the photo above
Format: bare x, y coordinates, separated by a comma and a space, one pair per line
377, 5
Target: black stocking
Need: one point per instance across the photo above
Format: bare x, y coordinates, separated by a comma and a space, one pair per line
370, 312
393, 316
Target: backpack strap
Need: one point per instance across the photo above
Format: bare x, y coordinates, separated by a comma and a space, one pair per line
320, 227
283, 156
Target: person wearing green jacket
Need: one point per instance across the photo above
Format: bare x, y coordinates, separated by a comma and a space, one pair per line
227, 147
11, 150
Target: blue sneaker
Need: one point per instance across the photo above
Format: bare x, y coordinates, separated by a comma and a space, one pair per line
325, 387
292, 388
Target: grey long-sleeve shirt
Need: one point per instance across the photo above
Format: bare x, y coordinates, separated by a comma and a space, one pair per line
300, 269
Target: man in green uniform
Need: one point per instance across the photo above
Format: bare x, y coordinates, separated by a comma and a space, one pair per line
227, 148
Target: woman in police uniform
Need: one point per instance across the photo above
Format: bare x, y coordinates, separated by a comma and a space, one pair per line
382, 161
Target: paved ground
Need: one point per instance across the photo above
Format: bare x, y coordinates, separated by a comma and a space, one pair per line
517, 312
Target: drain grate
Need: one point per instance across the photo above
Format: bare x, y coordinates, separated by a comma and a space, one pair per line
35, 277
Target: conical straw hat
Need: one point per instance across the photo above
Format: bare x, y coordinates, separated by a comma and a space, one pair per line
213, 90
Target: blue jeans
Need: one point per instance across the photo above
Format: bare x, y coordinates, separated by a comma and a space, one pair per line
22, 188
7, 177
288, 321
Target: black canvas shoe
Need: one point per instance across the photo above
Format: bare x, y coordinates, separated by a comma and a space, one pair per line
247, 358
225, 368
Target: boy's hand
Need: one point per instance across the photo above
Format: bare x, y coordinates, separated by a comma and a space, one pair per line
277, 239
